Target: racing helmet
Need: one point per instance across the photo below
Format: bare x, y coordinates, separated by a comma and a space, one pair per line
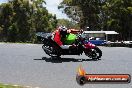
63, 31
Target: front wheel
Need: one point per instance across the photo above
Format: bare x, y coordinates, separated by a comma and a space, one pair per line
94, 53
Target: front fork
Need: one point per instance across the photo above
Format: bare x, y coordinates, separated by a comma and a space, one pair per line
88, 49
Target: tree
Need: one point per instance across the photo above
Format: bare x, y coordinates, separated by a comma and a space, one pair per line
21, 19
119, 17
5, 19
84, 11
102, 15
68, 24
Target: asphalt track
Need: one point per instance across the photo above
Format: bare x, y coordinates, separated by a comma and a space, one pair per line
28, 65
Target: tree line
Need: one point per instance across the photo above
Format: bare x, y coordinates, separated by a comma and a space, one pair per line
21, 19
107, 15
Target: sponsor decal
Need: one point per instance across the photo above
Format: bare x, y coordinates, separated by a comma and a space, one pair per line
83, 78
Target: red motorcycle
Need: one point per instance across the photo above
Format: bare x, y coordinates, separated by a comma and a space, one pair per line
81, 45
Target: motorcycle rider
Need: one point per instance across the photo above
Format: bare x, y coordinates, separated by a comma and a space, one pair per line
58, 35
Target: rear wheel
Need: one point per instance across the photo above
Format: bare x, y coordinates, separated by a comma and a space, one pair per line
50, 51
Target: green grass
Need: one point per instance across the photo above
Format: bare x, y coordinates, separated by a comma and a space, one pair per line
10, 86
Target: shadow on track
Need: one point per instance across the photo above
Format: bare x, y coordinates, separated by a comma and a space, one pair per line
61, 60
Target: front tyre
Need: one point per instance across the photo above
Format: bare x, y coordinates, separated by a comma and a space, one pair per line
96, 53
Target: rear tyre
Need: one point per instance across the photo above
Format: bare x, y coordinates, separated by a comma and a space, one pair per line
50, 51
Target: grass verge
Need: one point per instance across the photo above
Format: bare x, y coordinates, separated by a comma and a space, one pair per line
12, 86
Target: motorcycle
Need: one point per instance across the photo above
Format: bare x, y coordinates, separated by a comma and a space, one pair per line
81, 45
